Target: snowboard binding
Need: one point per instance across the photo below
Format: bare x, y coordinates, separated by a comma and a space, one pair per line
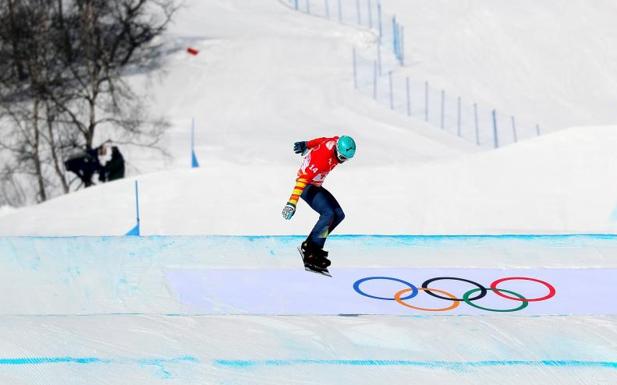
314, 258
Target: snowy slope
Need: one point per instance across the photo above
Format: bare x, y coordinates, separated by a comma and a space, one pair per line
547, 61
538, 186
267, 76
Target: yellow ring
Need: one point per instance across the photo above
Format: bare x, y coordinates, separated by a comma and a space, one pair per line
400, 293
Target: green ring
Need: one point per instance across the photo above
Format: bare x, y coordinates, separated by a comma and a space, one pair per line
521, 307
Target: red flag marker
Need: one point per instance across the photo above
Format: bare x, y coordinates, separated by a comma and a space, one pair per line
192, 51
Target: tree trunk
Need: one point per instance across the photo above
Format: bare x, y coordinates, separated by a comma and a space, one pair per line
91, 57
68, 50
36, 151
54, 152
19, 67
91, 122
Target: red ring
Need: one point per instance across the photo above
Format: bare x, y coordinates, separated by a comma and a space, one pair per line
551, 289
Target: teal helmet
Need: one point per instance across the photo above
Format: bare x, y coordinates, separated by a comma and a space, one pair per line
345, 148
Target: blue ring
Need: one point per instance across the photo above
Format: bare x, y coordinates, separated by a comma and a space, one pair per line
356, 287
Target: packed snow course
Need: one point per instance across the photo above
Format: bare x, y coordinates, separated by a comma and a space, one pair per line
242, 310
231, 310
215, 291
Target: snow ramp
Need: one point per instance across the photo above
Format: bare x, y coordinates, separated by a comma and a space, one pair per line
241, 310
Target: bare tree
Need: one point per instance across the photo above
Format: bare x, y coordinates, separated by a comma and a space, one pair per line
62, 69
24, 95
108, 39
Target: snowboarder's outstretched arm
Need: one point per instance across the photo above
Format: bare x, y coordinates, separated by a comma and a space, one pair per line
290, 208
303, 147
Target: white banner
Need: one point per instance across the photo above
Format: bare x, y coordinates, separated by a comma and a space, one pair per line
396, 291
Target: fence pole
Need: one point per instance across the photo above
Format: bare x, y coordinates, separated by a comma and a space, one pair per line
408, 91
476, 125
391, 90
394, 30
375, 80
380, 22
402, 46
192, 136
340, 12
194, 161
443, 109
379, 58
458, 116
355, 69
296, 4
426, 101
308, 6
136, 231
358, 10
370, 14
137, 203
514, 130
495, 136
327, 4
538, 129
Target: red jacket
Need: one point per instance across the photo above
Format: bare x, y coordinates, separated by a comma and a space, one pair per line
319, 161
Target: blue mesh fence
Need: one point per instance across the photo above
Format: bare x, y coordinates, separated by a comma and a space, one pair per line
363, 13
376, 76
415, 98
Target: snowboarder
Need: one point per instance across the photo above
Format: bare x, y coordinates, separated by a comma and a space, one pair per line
321, 156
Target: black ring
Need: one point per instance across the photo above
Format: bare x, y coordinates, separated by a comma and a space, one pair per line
483, 290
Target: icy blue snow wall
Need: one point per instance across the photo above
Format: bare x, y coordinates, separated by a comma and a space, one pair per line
264, 275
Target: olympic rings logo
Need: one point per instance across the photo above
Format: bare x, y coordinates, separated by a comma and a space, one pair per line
468, 297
